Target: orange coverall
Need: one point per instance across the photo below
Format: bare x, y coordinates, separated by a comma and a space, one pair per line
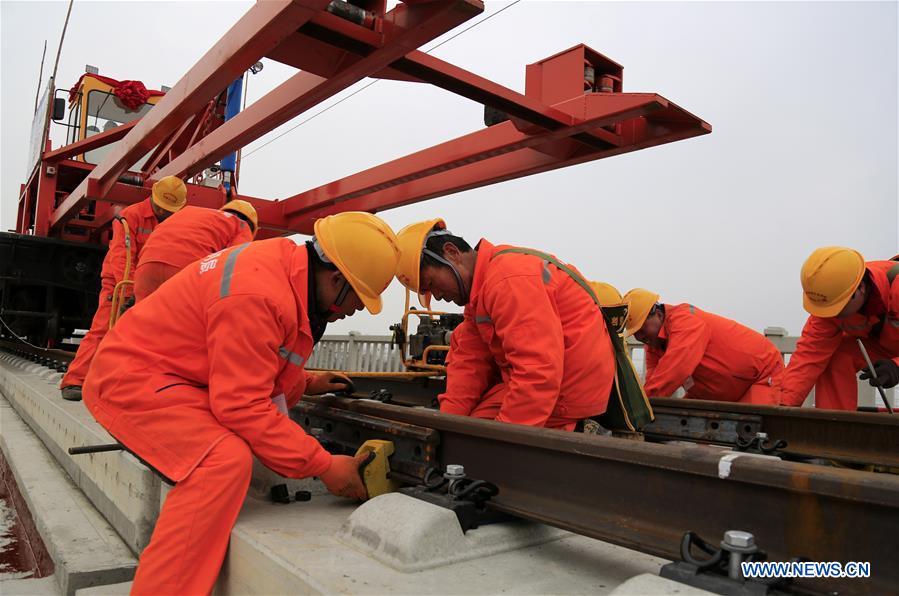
188, 235
726, 360
141, 222
186, 382
532, 349
827, 355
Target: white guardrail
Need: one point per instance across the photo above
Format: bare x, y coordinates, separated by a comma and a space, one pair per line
374, 353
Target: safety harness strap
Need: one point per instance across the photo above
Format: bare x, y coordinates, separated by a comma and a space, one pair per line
893, 272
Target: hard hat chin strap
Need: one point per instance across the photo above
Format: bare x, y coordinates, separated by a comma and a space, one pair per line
341, 296
463, 291
344, 289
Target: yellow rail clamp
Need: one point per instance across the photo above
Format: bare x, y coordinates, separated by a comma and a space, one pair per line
375, 473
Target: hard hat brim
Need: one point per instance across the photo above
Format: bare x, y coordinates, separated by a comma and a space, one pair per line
411, 240
641, 317
372, 305
825, 312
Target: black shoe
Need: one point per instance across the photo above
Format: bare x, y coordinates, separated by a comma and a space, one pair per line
71, 392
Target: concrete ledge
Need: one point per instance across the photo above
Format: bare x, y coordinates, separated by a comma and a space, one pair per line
122, 589
86, 551
658, 586
293, 549
44, 586
125, 491
430, 536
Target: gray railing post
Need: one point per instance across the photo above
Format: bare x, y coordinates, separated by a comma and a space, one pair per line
352, 352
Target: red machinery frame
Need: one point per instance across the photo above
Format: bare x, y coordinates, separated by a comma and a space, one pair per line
573, 110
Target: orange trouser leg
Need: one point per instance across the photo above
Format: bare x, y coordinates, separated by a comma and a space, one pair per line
77, 370
762, 392
191, 536
492, 401
837, 388
149, 276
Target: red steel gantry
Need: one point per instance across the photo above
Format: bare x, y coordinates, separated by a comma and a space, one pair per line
573, 110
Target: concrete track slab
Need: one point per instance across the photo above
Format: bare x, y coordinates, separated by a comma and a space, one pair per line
295, 548
85, 549
125, 491
44, 586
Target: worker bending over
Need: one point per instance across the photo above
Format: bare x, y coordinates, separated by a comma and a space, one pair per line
197, 378
167, 197
191, 234
848, 299
533, 347
710, 356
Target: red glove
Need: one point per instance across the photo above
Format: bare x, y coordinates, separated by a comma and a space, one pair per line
343, 477
329, 382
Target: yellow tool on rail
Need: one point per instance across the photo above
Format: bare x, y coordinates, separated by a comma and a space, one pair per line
375, 474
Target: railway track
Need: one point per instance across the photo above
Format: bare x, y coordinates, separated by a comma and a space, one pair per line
640, 495
643, 494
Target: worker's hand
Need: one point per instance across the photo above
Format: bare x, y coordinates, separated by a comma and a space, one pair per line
329, 382
886, 374
344, 479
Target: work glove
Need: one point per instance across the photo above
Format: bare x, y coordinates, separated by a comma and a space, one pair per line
886, 374
344, 477
329, 382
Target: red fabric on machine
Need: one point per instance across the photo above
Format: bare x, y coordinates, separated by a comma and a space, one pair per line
132, 94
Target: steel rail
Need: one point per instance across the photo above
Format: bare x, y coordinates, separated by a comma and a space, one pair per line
44, 356
645, 496
855, 438
848, 437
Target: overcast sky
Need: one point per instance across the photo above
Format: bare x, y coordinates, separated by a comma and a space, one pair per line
802, 98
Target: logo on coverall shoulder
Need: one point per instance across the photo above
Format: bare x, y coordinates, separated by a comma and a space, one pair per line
210, 261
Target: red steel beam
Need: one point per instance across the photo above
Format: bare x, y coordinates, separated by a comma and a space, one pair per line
422, 67
410, 27
271, 219
484, 144
89, 144
261, 29
160, 154
665, 126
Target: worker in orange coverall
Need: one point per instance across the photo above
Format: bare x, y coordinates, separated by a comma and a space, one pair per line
532, 349
198, 378
847, 299
710, 356
167, 197
191, 234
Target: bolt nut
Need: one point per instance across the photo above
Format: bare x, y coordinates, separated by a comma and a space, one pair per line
739, 539
455, 470
762, 436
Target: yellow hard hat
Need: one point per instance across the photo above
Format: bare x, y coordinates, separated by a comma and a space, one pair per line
606, 293
411, 241
364, 249
639, 304
244, 208
829, 278
170, 194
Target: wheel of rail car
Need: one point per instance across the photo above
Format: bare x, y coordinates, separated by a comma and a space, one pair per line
77, 269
